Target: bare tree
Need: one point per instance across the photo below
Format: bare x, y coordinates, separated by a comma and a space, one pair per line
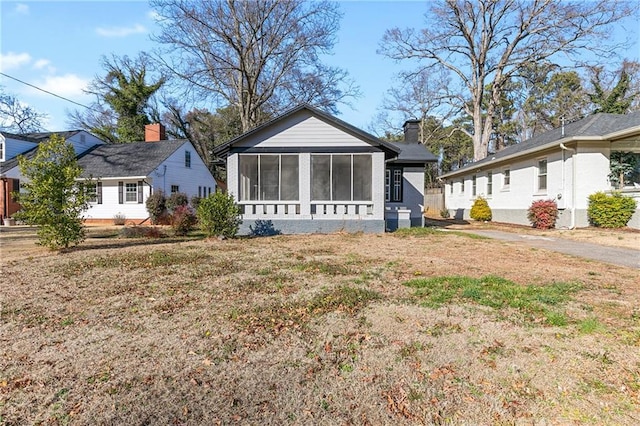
484, 43
259, 56
17, 117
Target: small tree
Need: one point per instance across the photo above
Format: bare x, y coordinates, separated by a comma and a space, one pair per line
175, 200
53, 199
219, 215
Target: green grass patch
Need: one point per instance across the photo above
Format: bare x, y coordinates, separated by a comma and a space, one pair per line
590, 325
537, 301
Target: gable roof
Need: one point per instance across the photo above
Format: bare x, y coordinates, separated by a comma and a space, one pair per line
594, 127
127, 159
412, 153
5, 166
223, 150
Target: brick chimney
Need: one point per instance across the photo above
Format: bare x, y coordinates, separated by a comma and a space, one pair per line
411, 131
154, 132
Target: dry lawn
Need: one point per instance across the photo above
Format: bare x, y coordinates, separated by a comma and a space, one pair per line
318, 329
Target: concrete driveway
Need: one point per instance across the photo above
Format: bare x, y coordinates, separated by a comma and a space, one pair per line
615, 255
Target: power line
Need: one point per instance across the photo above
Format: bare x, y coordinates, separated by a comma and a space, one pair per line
50, 93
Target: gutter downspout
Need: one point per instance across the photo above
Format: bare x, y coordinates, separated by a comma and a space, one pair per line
573, 182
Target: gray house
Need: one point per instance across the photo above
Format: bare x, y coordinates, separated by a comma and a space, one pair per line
309, 172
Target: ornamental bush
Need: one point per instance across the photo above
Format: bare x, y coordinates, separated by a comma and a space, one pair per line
175, 200
610, 211
481, 210
183, 220
219, 215
156, 207
543, 214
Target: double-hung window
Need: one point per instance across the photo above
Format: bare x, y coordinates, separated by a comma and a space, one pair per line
506, 179
187, 159
269, 177
131, 193
341, 177
474, 186
489, 183
393, 185
542, 175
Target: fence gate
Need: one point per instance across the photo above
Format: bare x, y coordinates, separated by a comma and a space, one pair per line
434, 201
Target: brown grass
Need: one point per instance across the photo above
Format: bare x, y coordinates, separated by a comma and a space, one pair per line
309, 330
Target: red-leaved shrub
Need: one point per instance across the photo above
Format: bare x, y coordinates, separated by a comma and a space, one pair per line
183, 220
543, 214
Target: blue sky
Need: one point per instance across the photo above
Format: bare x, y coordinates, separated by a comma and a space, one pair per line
58, 46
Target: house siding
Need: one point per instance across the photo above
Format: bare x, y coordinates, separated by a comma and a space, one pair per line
412, 194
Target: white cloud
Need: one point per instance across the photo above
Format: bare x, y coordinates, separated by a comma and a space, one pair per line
154, 16
65, 85
44, 64
13, 60
121, 31
22, 9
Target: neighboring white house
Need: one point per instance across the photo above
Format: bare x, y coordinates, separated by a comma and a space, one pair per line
565, 164
126, 174
307, 171
12, 145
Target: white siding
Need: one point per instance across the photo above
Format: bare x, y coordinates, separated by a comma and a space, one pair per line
14, 147
82, 141
110, 202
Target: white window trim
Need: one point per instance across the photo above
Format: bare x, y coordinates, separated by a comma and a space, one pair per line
536, 182
506, 186
126, 186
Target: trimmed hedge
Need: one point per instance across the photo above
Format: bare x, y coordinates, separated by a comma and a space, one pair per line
481, 210
610, 211
543, 214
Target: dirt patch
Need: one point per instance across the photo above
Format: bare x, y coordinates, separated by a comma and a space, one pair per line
315, 329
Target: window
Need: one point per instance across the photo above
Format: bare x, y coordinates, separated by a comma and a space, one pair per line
341, 177
175, 188
542, 175
131, 193
473, 186
393, 185
451, 188
268, 177
506, 178
94, 192
489, 183
462, 186
187, 159
1, 151
15, 190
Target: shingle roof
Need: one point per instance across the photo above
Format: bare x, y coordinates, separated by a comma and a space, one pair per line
41, 136
128, 159
413, 153
223, 150
5, 166
597, 125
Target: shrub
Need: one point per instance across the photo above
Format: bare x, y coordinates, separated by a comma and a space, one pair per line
183, 220
219, 215
444, 213
481, 210
119, 219
157, 207
543, 214
195, 201
175, 200
610, 211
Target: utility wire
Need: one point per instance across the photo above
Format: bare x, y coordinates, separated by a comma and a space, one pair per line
50, 93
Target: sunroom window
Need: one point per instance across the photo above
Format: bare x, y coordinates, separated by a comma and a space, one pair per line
269, 177
341, 177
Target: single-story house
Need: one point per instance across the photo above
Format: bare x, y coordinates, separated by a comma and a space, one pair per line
126, 174
309, 172
566, 164
12, 146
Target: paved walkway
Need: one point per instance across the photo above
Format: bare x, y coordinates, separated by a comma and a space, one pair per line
616, 255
